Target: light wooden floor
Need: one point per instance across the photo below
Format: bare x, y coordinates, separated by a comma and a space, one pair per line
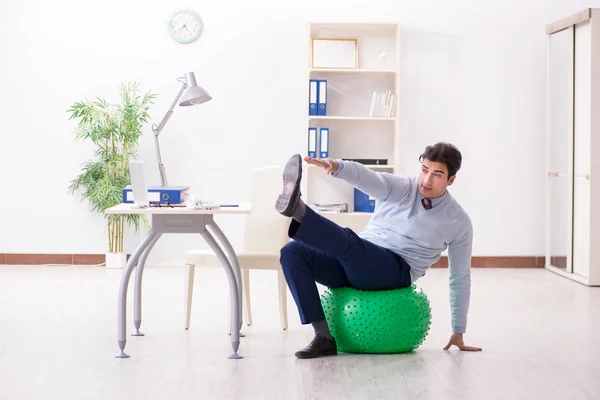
540, 335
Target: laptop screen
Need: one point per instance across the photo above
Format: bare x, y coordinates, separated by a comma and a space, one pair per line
139, 187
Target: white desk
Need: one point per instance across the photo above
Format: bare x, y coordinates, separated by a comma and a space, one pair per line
180, 220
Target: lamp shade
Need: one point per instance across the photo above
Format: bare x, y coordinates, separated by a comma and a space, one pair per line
193, 94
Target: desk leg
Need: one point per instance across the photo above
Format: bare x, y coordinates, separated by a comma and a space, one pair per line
233, 291
234, 262
122, 304
137, 294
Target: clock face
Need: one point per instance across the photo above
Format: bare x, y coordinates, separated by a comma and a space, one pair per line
185, 26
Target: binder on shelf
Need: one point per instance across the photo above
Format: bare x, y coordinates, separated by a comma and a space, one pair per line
324, 143
313, 97
312, 142
362, 202
368, 161
322, 96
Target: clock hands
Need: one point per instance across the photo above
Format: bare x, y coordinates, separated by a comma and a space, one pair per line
185, 27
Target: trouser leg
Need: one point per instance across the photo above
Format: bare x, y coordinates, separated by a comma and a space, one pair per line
366, 265
303, 266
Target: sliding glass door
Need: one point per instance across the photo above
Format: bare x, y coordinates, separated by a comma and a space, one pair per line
559, 232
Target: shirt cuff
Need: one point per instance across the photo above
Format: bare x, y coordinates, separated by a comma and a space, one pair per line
340, 168
459, 329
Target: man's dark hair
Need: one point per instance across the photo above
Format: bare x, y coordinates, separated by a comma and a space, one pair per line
445, 153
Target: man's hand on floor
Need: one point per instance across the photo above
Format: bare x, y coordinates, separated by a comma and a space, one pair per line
457, 340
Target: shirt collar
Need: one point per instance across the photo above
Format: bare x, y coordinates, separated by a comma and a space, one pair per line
438, 200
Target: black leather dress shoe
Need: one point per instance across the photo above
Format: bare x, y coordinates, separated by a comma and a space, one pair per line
287, 201
320, 346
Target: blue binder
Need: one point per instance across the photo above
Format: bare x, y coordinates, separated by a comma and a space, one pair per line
322, 96
324, 143
160, 194
362, 202
312, 142
313, 97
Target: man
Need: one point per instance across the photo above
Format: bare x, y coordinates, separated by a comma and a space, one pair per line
415, 220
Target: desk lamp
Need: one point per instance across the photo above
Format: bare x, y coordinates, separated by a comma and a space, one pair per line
190, 94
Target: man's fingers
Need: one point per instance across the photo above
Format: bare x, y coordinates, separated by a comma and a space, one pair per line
462, 347
319, 163
314, 161
309, 160
471, 348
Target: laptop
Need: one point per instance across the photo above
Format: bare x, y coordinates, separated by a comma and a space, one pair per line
139, 187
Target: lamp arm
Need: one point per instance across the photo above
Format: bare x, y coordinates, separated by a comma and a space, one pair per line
158, 128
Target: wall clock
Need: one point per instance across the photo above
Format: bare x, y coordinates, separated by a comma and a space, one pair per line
185, 26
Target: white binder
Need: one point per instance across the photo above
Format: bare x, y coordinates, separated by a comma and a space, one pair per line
324, 143
312, 142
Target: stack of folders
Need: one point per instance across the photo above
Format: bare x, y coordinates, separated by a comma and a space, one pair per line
318, 142
332, 208
382, 104
317, 93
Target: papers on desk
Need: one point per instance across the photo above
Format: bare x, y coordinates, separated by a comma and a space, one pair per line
196, 204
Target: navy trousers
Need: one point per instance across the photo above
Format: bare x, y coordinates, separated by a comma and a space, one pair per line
324, 252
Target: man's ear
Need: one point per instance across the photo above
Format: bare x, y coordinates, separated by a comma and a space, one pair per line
451, 180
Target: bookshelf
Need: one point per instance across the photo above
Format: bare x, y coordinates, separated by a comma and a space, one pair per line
354, 131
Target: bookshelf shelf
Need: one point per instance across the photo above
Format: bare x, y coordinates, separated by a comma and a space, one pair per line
351, 71
342, 118
381, 167
352, 214
361, 113
353, 220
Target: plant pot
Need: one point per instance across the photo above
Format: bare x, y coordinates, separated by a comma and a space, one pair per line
116, 260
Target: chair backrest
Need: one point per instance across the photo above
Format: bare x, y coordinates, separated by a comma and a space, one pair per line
266, 229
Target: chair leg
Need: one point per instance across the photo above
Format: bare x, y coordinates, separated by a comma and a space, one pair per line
189, 290
282, 299
246, 294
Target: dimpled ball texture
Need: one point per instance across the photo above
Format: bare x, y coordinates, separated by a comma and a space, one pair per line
385, 321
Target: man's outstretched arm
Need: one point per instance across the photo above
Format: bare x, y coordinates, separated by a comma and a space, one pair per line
380, 186
459, 257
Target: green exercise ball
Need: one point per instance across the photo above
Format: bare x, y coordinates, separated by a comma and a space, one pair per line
384, 321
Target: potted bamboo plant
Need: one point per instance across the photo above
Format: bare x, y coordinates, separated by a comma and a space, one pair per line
115, 131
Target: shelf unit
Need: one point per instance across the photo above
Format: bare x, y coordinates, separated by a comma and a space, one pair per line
352, 132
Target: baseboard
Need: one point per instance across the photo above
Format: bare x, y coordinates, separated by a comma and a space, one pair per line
99, 259
53, 259
499, 262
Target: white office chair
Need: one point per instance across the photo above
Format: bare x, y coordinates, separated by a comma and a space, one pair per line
265, 235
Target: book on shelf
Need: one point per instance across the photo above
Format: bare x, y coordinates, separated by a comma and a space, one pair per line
382, 104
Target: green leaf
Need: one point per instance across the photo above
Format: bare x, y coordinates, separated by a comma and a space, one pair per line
115, 130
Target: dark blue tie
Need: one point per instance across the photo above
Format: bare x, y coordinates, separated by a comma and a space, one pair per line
426, 203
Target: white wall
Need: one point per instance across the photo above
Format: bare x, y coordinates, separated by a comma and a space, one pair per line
473, 73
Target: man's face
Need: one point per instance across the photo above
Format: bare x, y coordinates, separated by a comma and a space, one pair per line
433, 179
